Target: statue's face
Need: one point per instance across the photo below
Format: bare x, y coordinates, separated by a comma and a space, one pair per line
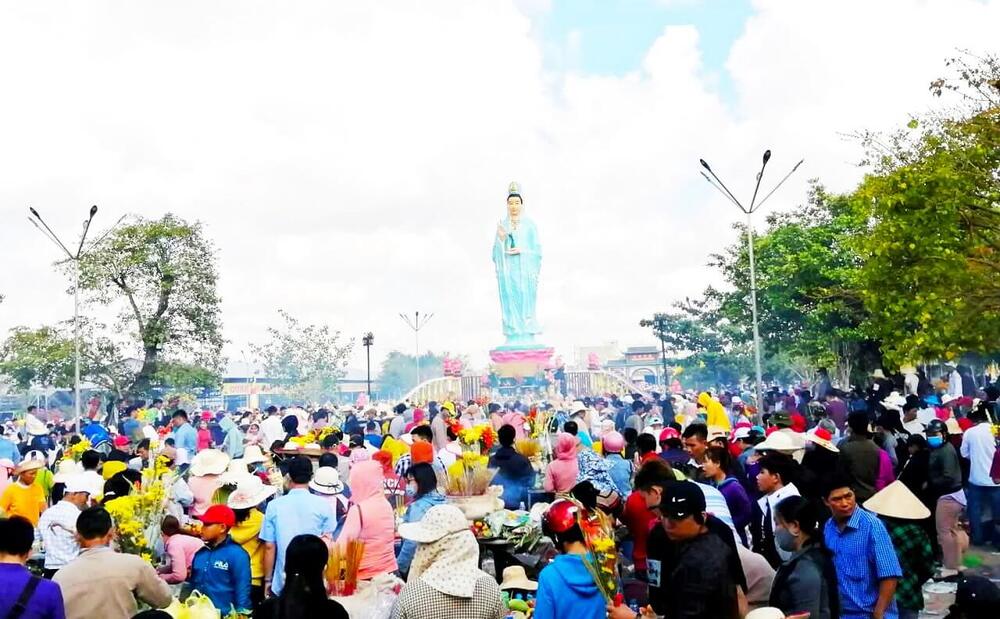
514, 207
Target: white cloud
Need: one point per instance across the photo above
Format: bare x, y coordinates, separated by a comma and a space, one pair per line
350, 160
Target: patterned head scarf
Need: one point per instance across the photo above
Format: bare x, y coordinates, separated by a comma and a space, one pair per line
449, 565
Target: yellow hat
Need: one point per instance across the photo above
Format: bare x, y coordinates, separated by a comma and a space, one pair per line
112, 468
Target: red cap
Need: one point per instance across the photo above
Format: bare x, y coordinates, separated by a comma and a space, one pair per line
121, 440
668, 433
219, 514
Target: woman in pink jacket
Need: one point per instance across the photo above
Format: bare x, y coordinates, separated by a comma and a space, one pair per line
180, 549
561, 474
370, 519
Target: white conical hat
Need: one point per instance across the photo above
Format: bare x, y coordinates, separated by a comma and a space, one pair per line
896, 501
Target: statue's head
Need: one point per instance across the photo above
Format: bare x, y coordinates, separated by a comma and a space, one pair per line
514, 202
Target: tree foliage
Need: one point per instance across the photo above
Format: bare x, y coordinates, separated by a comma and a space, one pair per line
932, 250
308, 360
398, 373
163, 273
37, 358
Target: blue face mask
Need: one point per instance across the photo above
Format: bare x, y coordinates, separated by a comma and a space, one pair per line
935, 441
411, 491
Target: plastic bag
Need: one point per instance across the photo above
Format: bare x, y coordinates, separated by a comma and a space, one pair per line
197, 606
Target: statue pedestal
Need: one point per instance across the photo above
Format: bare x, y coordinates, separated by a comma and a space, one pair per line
518, 368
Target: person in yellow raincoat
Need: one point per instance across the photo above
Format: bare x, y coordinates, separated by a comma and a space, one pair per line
715, 412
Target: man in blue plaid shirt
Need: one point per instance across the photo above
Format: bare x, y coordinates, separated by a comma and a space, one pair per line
867, 568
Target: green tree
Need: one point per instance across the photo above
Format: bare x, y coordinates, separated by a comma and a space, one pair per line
163, 273
40, 357
308, 360
398, 373
809, 304
932, 249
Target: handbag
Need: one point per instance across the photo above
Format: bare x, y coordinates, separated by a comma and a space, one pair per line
21, 604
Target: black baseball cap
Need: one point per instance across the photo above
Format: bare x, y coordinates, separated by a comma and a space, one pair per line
682, 499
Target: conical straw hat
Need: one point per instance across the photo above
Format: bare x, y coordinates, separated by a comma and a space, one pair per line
896, 501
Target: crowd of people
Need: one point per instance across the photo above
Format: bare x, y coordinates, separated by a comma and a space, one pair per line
821, 503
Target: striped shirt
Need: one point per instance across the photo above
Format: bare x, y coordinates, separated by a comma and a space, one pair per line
57, 530
863, 555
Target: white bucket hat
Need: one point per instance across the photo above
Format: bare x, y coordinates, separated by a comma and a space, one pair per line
577, 407
326, 480
897, 501
250, 492
209, 462
438, 521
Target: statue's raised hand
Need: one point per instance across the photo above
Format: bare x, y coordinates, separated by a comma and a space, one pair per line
501, 233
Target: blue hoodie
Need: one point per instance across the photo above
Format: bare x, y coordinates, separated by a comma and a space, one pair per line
566, 589
223, 574
414, 513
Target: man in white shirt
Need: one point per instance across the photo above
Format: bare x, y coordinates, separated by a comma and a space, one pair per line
954, 381
773, 480
911, 409
979, 446
57, 526
90, 477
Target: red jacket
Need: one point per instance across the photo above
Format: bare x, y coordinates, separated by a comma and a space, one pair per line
639, 521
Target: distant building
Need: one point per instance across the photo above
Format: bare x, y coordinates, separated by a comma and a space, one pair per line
639, 365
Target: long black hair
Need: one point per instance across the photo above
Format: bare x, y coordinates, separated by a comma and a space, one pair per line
304, 594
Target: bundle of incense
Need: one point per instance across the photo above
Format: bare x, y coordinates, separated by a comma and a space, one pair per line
334, 567
355, 550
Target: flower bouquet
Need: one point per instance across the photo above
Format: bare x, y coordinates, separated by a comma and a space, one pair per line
479, 437
76, 451
137, 515
602, 560
468, 486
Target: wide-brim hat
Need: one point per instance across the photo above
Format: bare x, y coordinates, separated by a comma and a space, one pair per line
253, 454
209, 462
65, 470
29, 465
326, 480
781, 441
878, 373
438, 521
822, 438
235, 472
577, 407
514, 577
250, 492
897, 501
34, 426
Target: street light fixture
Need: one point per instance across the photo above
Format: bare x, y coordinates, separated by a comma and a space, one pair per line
659, 322
47, 232
417, 323
368, 340
754, 206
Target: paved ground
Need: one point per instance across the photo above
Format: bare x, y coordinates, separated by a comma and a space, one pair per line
939, 596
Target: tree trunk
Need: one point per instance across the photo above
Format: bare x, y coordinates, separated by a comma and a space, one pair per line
143, 379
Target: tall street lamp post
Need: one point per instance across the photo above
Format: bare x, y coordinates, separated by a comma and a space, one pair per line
754, 205
417, 323
39, 223
659, 323
368, 340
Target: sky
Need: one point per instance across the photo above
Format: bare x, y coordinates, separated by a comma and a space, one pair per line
350, 159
